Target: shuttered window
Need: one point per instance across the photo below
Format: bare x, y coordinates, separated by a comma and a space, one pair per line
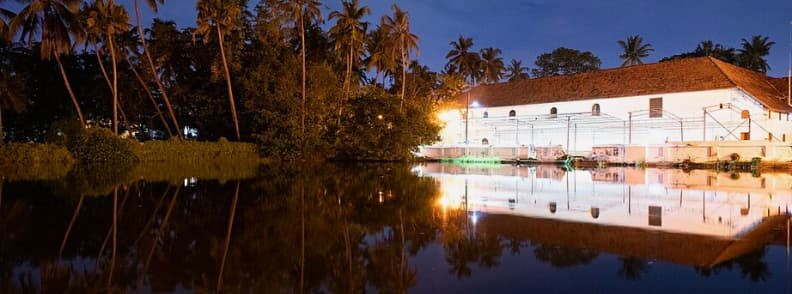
655, 107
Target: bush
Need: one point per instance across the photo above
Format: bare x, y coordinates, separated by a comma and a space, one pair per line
29, 161
181, 151
735, 157
101, 148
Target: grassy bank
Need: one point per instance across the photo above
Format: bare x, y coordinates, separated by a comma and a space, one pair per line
98, 161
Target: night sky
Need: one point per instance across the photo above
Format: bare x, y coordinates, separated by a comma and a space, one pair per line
525, 28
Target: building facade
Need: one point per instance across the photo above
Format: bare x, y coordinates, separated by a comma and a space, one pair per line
693, 101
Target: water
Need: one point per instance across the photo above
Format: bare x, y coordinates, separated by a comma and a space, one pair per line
394, 228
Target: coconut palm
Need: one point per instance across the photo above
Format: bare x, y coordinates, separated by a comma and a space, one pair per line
515, 71
57, 24
492, 65
128, 45
398, 28
107, 19
462, 60
634, 50
349, 34
220, 17
709, 48
154, 7
300, 12
5, 15
753, 52
380, 57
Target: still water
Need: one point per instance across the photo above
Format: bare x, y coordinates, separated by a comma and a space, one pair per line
427, 228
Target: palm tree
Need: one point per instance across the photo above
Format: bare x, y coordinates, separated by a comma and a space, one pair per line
462, 60
753, 52
380, 58
300, 12
128, 44
634, 50
153, 5
516, 71
709, 48
109, 20
5, 15
492, 65
398, 28
57, 24
220, 17
349, 33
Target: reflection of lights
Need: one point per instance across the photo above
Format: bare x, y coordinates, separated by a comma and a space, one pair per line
381, 199
379, 117
474, 217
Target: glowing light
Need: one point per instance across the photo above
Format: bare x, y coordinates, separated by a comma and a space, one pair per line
379, 117
449, 115
475, 104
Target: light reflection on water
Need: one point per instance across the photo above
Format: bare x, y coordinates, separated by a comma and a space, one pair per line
427, 228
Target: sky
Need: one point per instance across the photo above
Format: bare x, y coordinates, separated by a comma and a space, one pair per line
524, 29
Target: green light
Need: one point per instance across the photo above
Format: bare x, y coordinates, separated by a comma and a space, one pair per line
473, 160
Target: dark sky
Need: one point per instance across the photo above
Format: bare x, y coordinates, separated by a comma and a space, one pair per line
525, 28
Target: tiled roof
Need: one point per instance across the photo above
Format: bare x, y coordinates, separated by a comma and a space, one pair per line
684, 75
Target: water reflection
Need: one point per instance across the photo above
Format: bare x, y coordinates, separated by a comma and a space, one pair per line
394, 229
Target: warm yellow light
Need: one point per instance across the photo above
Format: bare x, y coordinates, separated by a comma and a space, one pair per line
449, 115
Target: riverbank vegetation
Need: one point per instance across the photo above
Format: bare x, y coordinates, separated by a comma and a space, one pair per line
269, 73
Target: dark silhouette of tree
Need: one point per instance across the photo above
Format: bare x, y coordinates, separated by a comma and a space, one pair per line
753, 52
632, 268
515, 71
464, 61
634, 50
564, 61
492, 65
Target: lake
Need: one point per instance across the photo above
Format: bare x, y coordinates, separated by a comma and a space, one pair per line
394, 228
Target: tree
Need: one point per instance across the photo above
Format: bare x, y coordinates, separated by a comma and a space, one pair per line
515, 71
753, 52
5, 15
57, 24
398, 28
349, 33
302, 10
109, 20
462, 60
564, 61
220, 17
707, 48
492, 65
634, 50
380, 58
153, 67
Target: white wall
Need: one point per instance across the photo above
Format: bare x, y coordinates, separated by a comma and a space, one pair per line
500, 131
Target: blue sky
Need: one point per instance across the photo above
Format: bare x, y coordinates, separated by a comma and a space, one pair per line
525, 28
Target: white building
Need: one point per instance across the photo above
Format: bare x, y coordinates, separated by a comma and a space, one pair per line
696, 101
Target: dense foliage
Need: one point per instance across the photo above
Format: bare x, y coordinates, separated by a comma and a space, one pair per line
242, 66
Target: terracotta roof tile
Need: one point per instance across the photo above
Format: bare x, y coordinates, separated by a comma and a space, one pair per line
684, 75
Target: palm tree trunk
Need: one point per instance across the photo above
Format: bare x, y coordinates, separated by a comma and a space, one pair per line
302, 53
102, 68
115, 238
69, 89
228, 237
404, 76
115, 84
153, 69
2, 135
228, 82
150, 96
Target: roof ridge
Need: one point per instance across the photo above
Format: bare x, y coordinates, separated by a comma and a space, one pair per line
715, 62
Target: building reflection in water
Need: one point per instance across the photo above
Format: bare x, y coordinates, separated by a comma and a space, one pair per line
698, 217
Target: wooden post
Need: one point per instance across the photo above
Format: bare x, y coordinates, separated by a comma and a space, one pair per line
681, 132
568, 126
704, 137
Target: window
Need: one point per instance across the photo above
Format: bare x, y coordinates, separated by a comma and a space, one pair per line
512, 113
484, 142
655, 107
745, 114
595, 109
486, 114
553, 112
